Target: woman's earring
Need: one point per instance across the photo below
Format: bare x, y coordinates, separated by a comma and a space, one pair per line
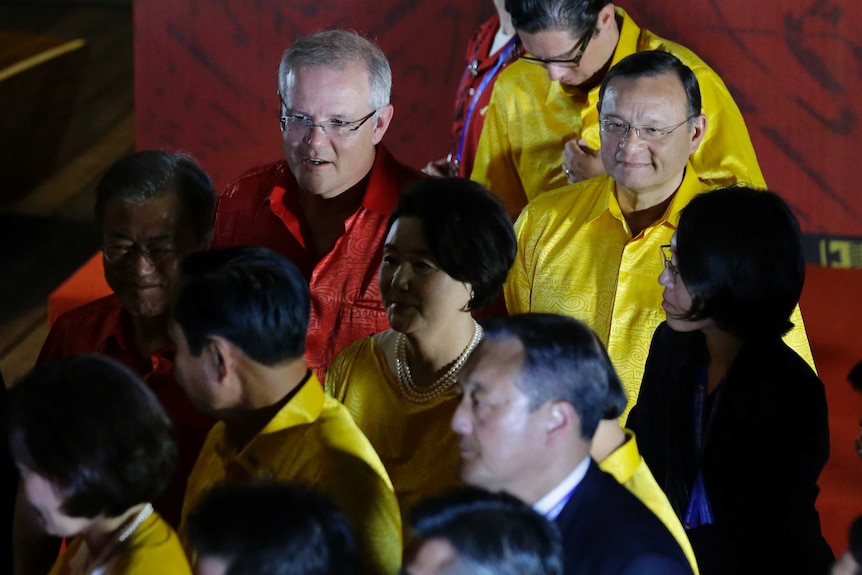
472, 295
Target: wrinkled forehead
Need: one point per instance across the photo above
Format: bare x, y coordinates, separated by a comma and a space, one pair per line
349, 75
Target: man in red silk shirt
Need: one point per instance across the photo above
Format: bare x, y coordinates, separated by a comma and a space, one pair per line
325, 206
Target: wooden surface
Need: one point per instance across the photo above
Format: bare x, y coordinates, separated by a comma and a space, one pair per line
39, 81
50, 231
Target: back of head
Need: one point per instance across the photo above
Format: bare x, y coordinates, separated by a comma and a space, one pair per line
149, 174
563, 360
493, 533
337, 49
739, 253
574, 16
272, 529
467, 230
252, 297
91, 427
652, 63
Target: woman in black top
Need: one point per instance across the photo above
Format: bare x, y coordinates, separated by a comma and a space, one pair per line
731, 421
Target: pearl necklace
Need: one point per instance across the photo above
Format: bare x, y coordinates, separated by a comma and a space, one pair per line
139, 518
418, 394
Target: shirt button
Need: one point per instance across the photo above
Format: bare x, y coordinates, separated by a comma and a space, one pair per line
471, 91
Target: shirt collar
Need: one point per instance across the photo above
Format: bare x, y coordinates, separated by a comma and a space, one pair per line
552, 504
623, 461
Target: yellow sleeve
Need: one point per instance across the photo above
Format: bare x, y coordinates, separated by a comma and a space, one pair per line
726, 155
518, 287
797, 338
495, 165
372, 509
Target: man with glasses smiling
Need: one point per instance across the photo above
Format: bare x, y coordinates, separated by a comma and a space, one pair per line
153, 208
592, 250
544, 105
326, 204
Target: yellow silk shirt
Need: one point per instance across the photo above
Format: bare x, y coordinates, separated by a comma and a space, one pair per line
631, 471
577, 257
530, 118
313, 440
152, 548
414, 440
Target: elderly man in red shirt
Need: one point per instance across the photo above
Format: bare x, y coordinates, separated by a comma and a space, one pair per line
326, 204
153, 209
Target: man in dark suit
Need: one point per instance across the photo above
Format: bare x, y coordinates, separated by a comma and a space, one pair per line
533, 394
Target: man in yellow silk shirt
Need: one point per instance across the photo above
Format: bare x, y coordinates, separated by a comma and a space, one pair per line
239, 324
592, 250
548, 99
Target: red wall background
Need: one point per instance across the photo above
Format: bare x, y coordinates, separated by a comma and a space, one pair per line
206, 76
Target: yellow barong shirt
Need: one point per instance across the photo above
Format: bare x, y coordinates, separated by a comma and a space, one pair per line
313, 440
151, 548
530, 119
415, 441
577, 257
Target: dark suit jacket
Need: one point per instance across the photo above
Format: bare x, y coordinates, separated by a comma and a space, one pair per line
764, 448
607, 531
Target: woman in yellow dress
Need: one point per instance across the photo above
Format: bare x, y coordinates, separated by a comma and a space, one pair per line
94, 446
448, 248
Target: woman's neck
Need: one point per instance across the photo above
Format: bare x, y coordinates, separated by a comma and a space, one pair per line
102, 535
431, 352
723, 348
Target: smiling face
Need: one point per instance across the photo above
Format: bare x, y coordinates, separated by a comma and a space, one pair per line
658, 102
325, 165
417, 294
502, 441
158, 226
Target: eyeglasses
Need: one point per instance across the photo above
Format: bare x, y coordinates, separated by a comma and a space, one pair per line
124, 254
297, 124
574, 62
647, 133
667, 255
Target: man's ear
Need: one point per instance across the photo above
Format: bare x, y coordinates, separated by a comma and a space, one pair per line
381, 123
221, 358
698, 124
562, 419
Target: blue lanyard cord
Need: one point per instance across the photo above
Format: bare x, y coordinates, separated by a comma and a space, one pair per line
699, 510
505, 55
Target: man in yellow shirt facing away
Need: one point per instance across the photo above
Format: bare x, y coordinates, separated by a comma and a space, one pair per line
592, 250
547, 102
239, 323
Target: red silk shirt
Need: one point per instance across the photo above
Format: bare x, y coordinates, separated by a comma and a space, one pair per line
474, 93
261, 209
103, 326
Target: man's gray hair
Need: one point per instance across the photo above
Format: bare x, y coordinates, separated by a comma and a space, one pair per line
337, 49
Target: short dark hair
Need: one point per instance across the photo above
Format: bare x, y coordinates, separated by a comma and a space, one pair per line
272, 529
855, 537
575, 16
563, 360
92, 427
652, 63
493, 533
253, 297
149, 174
739, 253
467, 230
